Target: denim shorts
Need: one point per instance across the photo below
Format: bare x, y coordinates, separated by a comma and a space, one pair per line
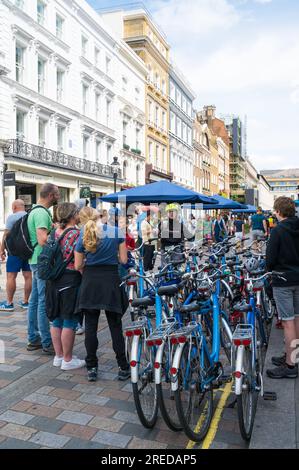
14, 264
61, 323
287, 302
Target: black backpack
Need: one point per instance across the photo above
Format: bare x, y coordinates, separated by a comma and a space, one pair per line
50, 264
17, 242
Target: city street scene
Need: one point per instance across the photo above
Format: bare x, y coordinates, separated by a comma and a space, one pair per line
149, 228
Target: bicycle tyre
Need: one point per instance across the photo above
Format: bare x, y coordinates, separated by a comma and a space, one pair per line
199, 427
166, 399
246, 416
144, 391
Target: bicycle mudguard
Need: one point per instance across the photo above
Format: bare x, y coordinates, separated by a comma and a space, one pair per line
135, 359
175, 365
158, 360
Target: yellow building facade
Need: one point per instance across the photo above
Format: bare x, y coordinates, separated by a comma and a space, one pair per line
142, 35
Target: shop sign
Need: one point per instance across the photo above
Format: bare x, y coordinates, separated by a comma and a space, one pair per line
27, 198
9, 178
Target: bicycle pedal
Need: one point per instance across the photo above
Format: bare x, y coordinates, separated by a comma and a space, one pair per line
270, 396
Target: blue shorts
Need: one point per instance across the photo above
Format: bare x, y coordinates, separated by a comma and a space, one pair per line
14, 264
60, 323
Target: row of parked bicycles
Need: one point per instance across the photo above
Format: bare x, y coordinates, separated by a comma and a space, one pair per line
199, 321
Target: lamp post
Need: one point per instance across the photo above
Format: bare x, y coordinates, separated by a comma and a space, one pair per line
115, 165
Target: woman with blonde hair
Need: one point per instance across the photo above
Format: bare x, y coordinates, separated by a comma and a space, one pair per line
99, 250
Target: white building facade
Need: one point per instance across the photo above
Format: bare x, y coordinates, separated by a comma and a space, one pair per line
67, 86
181, 129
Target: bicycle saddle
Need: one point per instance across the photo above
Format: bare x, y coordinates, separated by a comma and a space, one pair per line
143, 302
168, 290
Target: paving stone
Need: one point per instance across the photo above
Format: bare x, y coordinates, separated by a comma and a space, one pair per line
41, 423
93, 399
16, 431
45, 390
66, 385
4, 383
76, 443
12, 443
41, 410
175, 440
41, 399
2, 423
54, 441
16, 417
219, 445
121, 405
75, 417
75, 430
127, 417
90, 388
68, 405
8, 368
137, 443
112, 439
64, 376
127, 388
21, 406
26, 357
115, 394
67, 394
98, 410
107, 424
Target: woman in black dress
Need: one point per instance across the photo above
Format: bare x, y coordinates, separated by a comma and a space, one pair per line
99, 250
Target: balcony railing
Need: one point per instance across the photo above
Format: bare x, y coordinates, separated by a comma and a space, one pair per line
18, 149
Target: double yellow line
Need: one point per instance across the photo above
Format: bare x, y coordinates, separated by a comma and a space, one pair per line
215, 421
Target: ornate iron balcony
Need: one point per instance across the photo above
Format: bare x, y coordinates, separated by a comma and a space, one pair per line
19, 149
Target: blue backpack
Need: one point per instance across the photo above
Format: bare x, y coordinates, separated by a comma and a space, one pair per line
50, 264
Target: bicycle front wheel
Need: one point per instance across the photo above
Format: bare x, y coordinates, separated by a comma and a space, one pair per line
247, 401
194, 403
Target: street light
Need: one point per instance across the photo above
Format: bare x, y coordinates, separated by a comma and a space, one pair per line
115, 165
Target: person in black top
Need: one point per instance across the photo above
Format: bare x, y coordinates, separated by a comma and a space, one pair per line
172, 231
283, 255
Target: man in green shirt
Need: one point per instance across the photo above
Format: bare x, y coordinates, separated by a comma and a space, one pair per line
39, 225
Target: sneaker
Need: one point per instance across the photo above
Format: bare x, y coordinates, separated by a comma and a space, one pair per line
24, 305
74, 363
92, 374
5, 307
80, 330
283, 372
279, 361
34, 346
57, 361
48, 350
124, 374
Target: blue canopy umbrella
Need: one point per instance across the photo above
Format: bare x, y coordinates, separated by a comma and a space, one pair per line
224, 203
162, 191
249, 210
297, 203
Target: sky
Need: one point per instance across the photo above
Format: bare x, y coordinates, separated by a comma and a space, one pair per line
243, 57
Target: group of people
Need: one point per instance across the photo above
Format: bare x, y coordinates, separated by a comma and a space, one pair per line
96, 244
92, 249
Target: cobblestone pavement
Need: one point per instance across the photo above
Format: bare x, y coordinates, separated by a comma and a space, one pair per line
43, 407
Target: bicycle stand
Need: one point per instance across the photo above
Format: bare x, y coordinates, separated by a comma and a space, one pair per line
270, 396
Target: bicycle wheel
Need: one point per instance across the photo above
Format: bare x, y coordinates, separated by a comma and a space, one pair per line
247, 401
165, 395
194, 404
144, 391
225, 340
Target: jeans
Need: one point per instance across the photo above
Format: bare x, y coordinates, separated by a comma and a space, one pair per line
60, 323
91, 338
38, 323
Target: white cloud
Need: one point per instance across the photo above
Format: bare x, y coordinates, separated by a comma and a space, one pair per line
242, 63
195, 17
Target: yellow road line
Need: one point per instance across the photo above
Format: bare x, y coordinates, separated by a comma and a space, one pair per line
215, 421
